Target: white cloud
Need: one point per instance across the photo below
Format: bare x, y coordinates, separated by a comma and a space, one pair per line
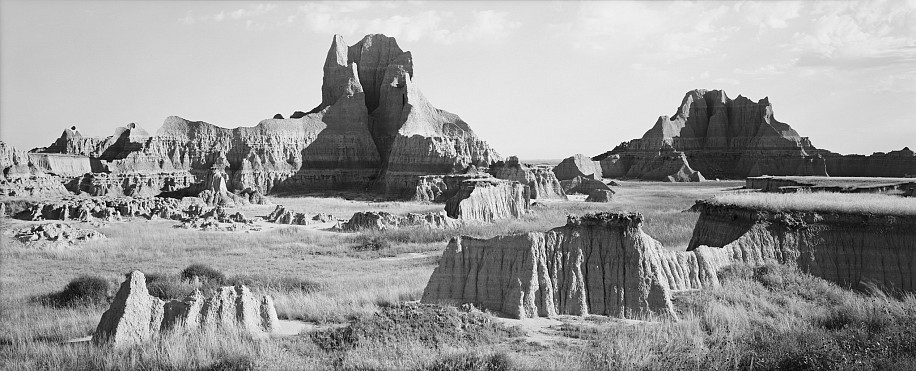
247, 14
437, 26
850, 30
677, 30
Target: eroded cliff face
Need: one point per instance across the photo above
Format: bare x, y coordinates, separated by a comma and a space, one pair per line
20, 177
372, 129
721, 138
488, 199
541, 182
849, 249
596, 264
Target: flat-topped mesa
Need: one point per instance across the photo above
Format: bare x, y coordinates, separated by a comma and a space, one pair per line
373, 128
541, 182
850, 249
596, 264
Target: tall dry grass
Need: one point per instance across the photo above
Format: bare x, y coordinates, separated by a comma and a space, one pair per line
853, 203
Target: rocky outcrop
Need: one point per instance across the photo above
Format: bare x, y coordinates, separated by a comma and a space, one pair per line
578, 165
380, 220
721, 137
789, 184
541, 182
19, 177
439, 188
583, 185
487, 200
598, 195
667, 165
900, 163
187, 210
131, 184
135, 316
372, 129
849, 249
596, 264
54, 235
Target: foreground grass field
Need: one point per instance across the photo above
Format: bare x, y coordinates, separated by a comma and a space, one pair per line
759, 319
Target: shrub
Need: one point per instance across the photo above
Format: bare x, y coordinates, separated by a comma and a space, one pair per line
204, 273
168, 287
83, 290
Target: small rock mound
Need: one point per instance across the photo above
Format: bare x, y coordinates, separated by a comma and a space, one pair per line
380, 220
51, 235
600, 195
135, 316
583, 185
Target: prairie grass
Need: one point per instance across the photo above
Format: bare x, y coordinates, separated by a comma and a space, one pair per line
318, 276
859, 203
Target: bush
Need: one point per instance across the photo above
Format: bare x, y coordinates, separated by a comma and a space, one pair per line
168, 287
204, 273
83, 290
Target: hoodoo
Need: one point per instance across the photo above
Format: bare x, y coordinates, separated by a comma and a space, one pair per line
373, 129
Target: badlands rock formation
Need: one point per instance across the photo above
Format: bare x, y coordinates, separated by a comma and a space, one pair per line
583, 185
20, 177
439, 188
373, 128
135, 316
380, 220
599, 195
578, 165
54, 235
848, 249
541, 182
720, 137
487, 200
790, 184
596, 264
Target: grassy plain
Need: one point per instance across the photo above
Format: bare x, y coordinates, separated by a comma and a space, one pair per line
719, 329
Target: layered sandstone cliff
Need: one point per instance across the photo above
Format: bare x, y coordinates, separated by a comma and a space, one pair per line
596, 264
849, 249
372, 129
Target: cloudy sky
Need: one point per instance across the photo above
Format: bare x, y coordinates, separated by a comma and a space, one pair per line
538, 79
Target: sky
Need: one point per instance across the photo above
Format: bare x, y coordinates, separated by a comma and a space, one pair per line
537, 79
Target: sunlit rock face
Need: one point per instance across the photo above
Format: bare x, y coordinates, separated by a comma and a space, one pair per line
372, 130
